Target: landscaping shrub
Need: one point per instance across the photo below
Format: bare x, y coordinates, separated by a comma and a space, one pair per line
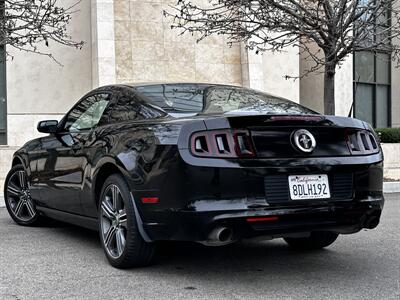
389, 135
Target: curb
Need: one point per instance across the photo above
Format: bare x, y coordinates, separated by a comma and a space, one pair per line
391, 187
2, 204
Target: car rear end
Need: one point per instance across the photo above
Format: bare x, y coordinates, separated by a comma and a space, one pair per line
252, 165
243, 177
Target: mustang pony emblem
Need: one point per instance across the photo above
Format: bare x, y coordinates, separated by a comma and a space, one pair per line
304, 140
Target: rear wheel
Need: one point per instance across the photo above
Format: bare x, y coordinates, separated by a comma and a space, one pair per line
119, 234
316, 240
18, 198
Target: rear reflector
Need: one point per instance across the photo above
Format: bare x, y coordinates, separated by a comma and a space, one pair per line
262, 219
149, 199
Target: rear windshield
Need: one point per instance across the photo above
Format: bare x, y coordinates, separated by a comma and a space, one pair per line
206, 99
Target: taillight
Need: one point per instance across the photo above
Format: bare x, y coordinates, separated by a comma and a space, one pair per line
243, 144
297, 118
222, 143
361, 142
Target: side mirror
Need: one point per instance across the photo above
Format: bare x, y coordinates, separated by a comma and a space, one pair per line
48, 126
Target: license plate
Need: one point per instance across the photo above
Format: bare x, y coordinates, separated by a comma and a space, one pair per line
304, 187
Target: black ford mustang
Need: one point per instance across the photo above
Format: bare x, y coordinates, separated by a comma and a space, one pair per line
198, 162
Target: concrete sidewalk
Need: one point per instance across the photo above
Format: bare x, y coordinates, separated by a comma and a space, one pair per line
391, 187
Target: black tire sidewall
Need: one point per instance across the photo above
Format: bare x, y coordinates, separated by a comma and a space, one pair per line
133, 236
31, 222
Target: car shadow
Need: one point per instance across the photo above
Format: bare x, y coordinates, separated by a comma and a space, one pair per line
257, 260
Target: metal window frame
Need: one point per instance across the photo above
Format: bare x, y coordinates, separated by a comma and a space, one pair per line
375, 84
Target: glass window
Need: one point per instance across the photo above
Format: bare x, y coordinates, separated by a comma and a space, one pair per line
125, 110
364, 102
209, 99
383, 17
383, 68
382, 106
130, 107
383, 36
87, 113
364, 66
178, 98
372, 69
233, 100
372, 92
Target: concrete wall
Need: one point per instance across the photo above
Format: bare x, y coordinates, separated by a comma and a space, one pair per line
147, 50
252, 69
392, 161
103, 42
344, 87
278, 65
6, 154
312, 87
267, 71
38, 88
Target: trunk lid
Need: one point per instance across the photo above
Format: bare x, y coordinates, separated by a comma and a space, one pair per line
272, 135
278, 141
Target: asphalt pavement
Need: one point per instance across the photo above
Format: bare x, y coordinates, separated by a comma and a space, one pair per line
66, 262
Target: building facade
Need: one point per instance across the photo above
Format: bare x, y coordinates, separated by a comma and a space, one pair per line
131, 41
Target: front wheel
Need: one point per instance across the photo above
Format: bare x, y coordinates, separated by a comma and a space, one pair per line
17, 196
316, 240
119, 234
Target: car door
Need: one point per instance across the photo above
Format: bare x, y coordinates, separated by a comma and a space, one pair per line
64, 159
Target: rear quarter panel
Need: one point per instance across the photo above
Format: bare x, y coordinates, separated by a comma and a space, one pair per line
144, 152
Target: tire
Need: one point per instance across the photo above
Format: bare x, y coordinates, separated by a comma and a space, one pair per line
317, 240
17, 197
119, 234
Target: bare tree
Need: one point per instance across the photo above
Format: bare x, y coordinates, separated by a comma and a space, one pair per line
325, 31
27, 25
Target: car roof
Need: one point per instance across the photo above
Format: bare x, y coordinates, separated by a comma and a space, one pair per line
204, 84
141, 84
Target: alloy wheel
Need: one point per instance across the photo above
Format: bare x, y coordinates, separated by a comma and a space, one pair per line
19, 198
113, 221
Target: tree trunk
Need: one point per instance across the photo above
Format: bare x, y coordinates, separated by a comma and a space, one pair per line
329, 90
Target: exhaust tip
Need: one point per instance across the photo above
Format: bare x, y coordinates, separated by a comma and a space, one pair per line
225, 234
220, 236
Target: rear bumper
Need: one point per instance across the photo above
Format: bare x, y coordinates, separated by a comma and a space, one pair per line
194, 199
342, 217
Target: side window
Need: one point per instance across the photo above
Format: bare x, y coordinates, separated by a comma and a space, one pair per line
126, 109
87, 113
130, 107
